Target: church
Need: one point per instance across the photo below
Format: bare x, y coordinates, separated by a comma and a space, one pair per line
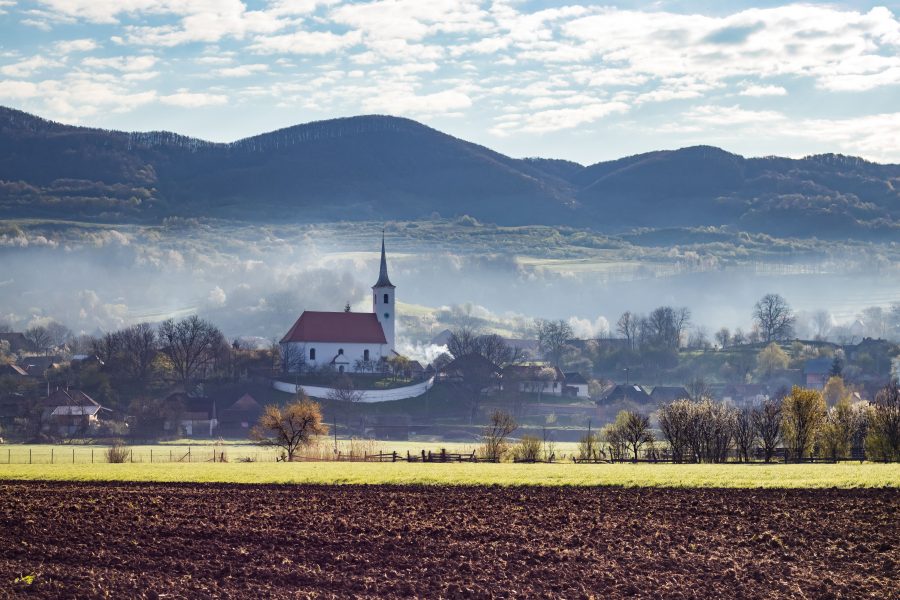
346, 341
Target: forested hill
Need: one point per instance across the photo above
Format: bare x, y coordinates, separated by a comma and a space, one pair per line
378, 167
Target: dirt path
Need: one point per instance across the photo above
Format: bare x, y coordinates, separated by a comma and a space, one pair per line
90, 540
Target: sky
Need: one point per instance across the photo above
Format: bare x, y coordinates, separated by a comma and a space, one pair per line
573, 80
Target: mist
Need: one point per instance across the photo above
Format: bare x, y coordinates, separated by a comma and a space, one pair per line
254, 281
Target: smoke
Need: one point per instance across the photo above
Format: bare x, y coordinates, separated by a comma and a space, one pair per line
586, 329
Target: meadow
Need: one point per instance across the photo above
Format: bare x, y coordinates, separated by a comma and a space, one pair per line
809, 476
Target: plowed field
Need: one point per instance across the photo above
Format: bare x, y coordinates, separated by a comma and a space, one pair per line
192, 540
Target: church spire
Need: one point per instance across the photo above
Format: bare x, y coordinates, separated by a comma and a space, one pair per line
383, 279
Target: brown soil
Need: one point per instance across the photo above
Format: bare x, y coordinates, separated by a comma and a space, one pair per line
196, 541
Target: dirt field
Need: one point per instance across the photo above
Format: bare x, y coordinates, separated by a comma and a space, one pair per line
193, 540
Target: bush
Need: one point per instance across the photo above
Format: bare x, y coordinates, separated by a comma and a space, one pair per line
589, 447
528, 449
118, 452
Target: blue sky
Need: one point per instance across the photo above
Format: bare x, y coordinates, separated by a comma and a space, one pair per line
581, 81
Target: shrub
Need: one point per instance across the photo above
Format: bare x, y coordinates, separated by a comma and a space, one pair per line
494, 435
589, 447
528, 449
118, 452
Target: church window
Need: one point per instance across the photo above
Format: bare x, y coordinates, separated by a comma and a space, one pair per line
387, 316
366, 354
385, 298
341, 369
312, 354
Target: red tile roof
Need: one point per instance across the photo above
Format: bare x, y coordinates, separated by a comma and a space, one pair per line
341, 327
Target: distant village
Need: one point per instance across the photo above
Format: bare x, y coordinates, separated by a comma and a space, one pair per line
183, 379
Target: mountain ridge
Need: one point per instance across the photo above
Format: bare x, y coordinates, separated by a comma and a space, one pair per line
379, 166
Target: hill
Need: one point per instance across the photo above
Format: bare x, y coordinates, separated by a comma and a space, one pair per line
374, 167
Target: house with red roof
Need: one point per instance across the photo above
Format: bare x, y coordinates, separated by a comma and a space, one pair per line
345, 341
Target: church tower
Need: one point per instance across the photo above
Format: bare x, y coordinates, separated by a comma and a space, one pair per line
383, 300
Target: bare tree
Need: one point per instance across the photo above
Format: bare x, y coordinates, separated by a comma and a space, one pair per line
774, 317
462, 342
138, 344
295, 425
883, 437
674, 423
745, 434
494, 348
500, 427
634, 429
803, 413
342, 390
723, 337
107, 346
767, 422
698, 389
39, 338
190, 345
665, 327
59, 334
553, 339
821, 321
628, 326
292, 357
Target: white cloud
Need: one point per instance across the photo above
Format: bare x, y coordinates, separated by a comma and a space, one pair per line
544, 121
241, 70
217, 297
305, 42
80, 45
763, 90
186, 99
125, 64
400, 102
29, 66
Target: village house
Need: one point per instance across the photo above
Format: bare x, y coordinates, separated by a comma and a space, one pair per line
663, 394
237, 420
535, 379
745, 394
71, 412
17, 342
198, 418
626, 393
816, 372
345, 341
576, 385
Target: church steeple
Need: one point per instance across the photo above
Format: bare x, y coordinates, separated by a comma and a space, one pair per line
383, 279
383, 299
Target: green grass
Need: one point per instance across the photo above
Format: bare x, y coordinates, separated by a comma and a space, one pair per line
642, 475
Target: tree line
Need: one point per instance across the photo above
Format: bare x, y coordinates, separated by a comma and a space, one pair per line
706, 431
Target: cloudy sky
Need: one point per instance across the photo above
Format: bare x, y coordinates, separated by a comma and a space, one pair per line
569, 80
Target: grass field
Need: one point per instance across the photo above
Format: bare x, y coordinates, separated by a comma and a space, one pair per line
203, 450
626, 475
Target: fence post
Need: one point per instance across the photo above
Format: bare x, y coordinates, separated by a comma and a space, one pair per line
73, 456
170, 455
51, 456
29, 456
131, 455
92, 456
189, 454
151, 456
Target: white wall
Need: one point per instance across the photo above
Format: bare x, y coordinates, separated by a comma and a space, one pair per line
326, 351
409, 391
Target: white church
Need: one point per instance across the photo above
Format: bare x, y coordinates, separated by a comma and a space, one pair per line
347, 341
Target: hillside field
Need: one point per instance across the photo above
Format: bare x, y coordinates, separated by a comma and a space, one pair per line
848, 475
